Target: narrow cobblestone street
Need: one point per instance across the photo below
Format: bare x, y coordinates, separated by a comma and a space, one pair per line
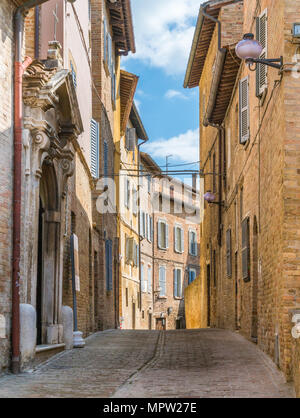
136, 364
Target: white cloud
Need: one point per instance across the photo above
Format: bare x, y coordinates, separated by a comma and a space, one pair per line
184, 147
164, 31
175, 94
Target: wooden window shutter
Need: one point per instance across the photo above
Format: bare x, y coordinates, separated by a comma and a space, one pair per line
162, 281
245, 250
262, 37
159, 234
182, 240
131, 250
175, 284
167, 235
229, 253
95, 148
131, 139
175, 239
244, 111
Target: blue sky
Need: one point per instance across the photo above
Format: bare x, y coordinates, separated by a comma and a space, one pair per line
163, 31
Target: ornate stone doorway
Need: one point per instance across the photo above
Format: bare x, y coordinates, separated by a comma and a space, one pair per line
47, 283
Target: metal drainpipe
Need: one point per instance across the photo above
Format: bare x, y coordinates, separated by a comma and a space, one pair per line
17, 181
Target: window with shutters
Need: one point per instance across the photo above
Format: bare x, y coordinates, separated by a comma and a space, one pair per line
151, 229
192, 275
246, 250
95, 148
178, 239
163, 234
162, 281
134, 201
244, 110
193, 250
228, 253
127, 193
177, 283
262, 37
131, 251
109, 265
130, 139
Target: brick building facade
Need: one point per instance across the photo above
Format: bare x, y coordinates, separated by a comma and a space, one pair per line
69, 136
7, 10
176, 249
249, 131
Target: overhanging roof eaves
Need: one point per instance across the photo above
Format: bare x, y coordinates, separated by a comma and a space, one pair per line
222, 87
122, 25
128, 86
150, 163
137, 123
201, 41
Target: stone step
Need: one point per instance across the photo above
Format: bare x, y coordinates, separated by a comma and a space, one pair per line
45, 352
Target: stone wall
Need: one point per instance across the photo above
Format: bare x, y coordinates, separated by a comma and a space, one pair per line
192, 303
261, 184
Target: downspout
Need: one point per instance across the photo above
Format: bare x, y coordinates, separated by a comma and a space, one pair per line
19, 68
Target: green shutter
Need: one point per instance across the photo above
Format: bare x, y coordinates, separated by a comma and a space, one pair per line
244, 110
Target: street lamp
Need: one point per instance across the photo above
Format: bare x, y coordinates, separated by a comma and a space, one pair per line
210, 198
250, 50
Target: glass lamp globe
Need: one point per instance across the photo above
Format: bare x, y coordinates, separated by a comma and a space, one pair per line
248, 48
209, 197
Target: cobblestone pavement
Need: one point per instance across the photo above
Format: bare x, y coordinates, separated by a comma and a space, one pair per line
136, 364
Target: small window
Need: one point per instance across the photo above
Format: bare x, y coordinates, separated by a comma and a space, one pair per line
162, 281
192, 275
193, 243
127, 298
177, 283
163, 235
127, 193
178, 239
134, 201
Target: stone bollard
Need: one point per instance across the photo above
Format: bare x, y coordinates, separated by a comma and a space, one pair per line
67, 320
27, 334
